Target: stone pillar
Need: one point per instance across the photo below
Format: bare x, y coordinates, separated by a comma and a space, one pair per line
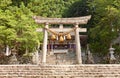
45, 44
78, 46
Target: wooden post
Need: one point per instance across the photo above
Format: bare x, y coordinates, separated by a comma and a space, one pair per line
45, 44
78, 46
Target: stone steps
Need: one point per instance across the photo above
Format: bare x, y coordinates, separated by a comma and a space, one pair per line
60, 71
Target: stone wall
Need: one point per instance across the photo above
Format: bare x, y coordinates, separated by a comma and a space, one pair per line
61, 58
60, 71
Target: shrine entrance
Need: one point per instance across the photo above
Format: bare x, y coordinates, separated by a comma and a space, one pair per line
59, 42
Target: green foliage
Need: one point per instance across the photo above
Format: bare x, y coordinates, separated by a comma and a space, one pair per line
5, 3
51, 8
17, 25
106, 16
25, 28
76, 9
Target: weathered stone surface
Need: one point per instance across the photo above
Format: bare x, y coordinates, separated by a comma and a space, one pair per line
60, 71
79, 20
62, 59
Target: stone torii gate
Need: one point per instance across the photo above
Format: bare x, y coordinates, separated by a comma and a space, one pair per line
76, 21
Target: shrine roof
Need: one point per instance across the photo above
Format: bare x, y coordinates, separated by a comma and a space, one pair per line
73, 20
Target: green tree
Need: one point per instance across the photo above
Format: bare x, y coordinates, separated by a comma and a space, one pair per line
25, 27
76, 9
105, 24
50, 8
17, 26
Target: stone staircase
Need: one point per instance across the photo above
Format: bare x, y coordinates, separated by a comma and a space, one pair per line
60, 71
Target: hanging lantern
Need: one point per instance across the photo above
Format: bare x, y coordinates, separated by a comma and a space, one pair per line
68, 36
53, 37
61, 39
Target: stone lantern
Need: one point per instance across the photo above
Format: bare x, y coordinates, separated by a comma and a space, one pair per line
112, 57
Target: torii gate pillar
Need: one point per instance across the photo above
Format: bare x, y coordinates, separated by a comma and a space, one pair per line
45, 45
78, 46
